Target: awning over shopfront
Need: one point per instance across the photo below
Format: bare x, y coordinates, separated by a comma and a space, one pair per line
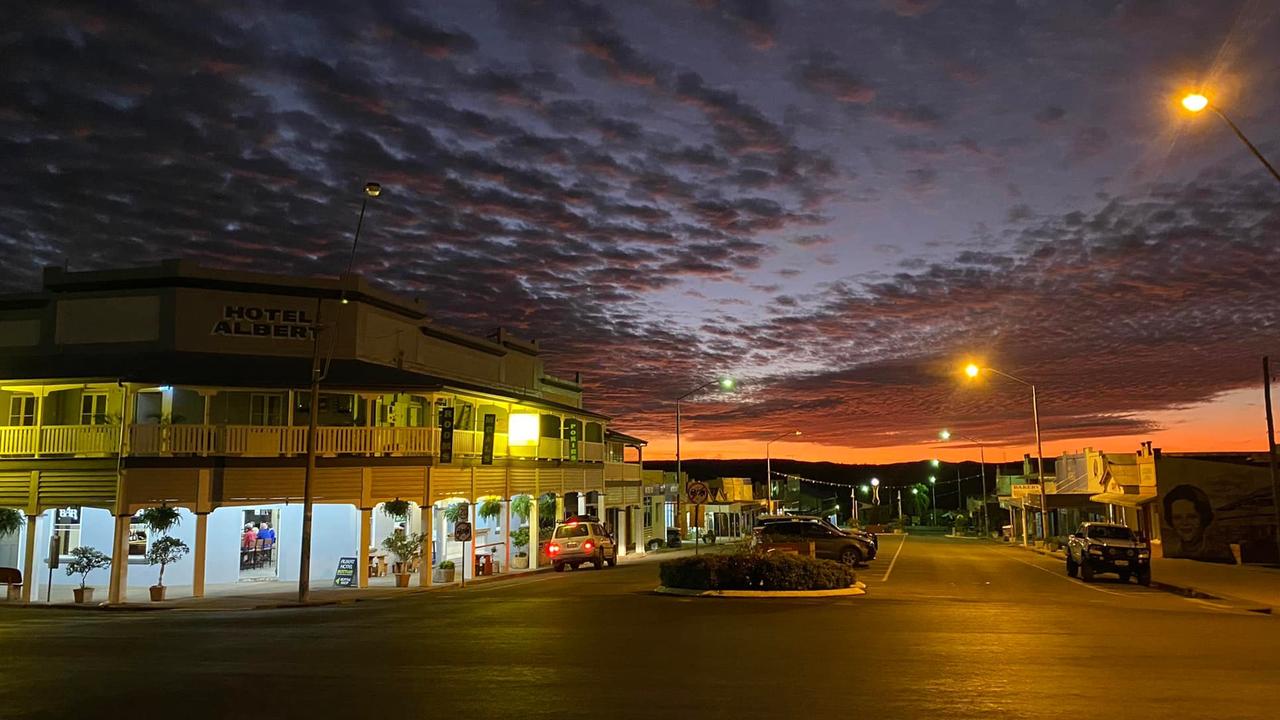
1132, 500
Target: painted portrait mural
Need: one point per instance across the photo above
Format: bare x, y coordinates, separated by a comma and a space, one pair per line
1206, 507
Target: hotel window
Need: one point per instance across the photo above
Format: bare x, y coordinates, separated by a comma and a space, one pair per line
464, 416
266, 410
66, 528
648, 512
22, 410
93, 409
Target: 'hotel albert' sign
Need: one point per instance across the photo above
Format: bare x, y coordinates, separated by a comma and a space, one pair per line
264, 322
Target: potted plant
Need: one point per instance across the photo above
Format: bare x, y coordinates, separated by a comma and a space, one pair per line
520, 539
85, 560
405, 546
160, 519
490, 508
164, 551
444, 573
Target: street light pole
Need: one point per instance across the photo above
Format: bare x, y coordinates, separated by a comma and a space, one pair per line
933, 500
972, 371
725, 383
1271, 444
768, 467
1196, 102
371, 190
946, 434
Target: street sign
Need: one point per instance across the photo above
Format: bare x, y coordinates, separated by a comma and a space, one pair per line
446, 435
462, 531
698, 492
345, 575
486, 450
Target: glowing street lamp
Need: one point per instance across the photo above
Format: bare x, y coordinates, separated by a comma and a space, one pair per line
946, 434
933, 498
973, 371
1195, 102
768, 460
724, 383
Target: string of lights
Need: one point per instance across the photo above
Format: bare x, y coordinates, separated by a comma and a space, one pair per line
938, 481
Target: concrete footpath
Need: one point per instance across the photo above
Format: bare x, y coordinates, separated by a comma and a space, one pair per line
1249, 587
282, 595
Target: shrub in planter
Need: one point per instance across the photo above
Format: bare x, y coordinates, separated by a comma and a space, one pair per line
85, 560
755, 571
405, 546
445, 572
520, 538
164, 551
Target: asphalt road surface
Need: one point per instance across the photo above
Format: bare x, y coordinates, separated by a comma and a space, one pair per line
949, 629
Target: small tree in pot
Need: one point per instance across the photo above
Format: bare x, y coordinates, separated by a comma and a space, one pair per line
405, 546
445, 572
520, 539
164, 551
85, 560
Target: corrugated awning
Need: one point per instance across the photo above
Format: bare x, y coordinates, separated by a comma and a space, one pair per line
1132, 500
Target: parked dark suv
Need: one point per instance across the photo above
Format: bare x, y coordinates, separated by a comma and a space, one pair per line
828, 543
1108, 548
873, 542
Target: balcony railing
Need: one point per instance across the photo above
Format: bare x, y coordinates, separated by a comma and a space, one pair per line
59, 440
269, 441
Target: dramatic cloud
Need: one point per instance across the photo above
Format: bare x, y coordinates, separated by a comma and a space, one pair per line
834, 204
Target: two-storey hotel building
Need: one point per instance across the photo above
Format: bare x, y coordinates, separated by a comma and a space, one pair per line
184, 386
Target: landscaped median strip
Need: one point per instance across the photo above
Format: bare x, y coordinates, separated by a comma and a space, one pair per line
857, 589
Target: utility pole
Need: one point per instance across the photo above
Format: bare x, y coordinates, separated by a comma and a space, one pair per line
1271, 445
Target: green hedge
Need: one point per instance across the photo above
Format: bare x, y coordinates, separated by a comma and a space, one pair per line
755, 571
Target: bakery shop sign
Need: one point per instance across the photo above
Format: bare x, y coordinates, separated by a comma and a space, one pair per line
264, 322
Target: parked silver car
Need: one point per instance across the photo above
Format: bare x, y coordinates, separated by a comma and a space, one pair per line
579, 540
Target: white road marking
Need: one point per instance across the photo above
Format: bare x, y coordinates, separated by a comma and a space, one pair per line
1070, 580
486, 587
894, 560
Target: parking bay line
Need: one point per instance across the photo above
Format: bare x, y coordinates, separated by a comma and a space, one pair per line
894, 560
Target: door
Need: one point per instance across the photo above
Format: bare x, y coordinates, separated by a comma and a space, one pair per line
826, 544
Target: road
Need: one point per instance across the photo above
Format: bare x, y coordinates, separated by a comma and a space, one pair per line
950, 629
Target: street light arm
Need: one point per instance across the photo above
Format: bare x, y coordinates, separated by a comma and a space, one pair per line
697, 390
1014, 378
1245, 140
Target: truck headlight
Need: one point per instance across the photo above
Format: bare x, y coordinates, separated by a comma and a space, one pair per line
1095, 549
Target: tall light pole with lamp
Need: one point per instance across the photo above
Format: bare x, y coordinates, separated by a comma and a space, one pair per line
768, 467
946, 434
318, 371
725, 384
933, 498
974, 371
1195, 103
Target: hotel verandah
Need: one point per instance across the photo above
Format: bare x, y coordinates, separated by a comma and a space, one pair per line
181, 385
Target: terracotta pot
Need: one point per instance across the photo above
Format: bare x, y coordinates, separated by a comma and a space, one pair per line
83, 595
157, 593
402, 579
444, 576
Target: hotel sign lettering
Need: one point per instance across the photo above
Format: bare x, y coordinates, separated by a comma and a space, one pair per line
264, 322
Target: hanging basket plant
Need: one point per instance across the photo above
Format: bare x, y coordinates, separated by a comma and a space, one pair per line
490, 508
10, 521
160, 519
453, 512
397, 509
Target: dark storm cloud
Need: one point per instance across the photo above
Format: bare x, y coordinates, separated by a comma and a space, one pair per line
755, 19
1050, 115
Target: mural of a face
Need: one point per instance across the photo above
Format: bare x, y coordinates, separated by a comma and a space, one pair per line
1186, 521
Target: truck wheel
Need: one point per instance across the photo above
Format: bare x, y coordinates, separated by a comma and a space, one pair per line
1072, 568
1124, 577
1086, 571
1144, 577
851, 556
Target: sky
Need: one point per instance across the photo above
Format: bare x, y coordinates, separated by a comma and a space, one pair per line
836, 203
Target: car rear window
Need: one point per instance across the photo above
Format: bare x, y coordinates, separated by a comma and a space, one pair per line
1104, 532
575, 530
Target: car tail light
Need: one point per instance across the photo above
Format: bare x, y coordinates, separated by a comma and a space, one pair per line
552, 549
587, 546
